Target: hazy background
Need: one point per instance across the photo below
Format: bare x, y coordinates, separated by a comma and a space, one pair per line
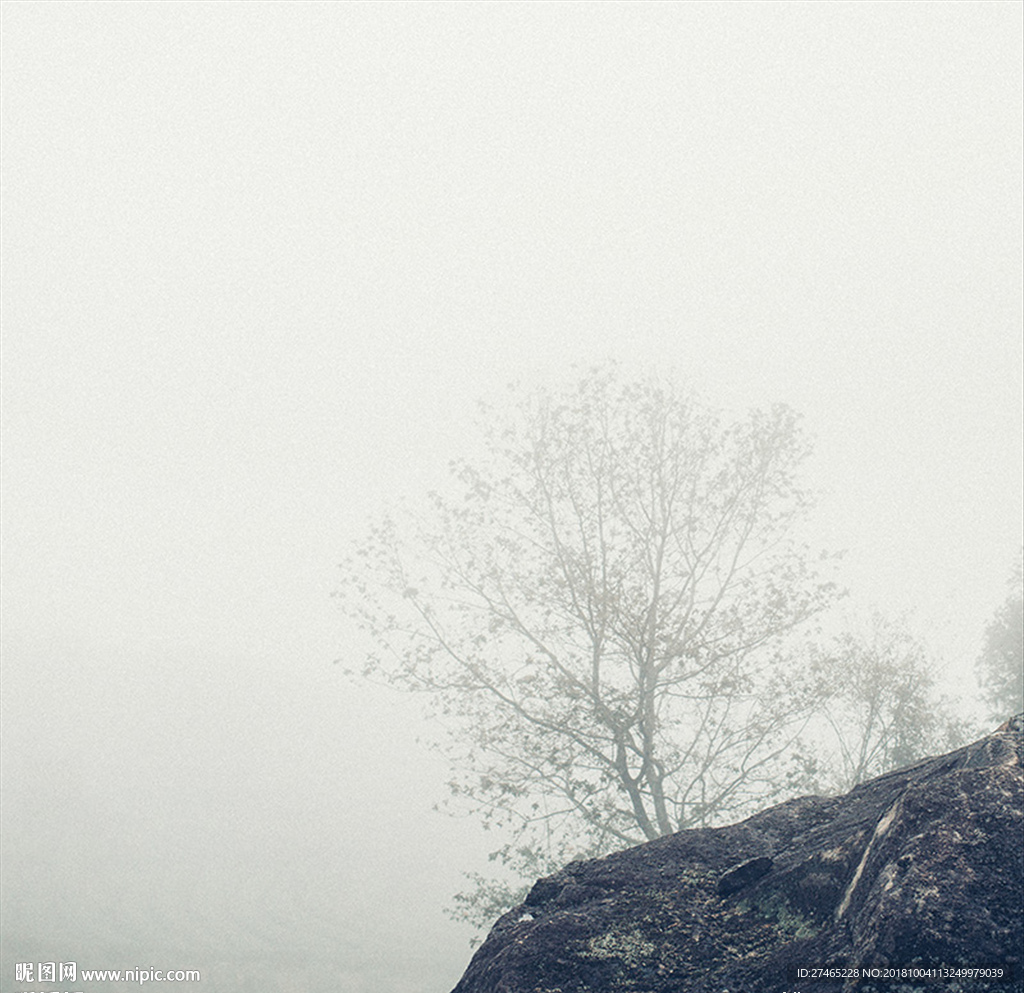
260, 260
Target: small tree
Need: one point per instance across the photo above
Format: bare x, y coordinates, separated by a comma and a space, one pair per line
1001, 663
601, 622
877, 694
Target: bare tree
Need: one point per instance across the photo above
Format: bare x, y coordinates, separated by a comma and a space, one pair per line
602, 622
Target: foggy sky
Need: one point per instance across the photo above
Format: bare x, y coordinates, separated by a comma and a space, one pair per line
260, 261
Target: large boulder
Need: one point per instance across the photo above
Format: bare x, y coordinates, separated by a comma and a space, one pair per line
922, 868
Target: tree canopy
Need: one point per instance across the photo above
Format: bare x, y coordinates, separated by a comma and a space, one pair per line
603, 621
1001, 663
877, 698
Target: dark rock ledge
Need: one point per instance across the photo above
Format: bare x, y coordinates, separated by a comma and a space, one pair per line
921, 866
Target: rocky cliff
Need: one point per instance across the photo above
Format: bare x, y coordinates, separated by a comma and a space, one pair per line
922, 868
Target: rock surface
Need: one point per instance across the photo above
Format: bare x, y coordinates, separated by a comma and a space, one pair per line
920, 867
